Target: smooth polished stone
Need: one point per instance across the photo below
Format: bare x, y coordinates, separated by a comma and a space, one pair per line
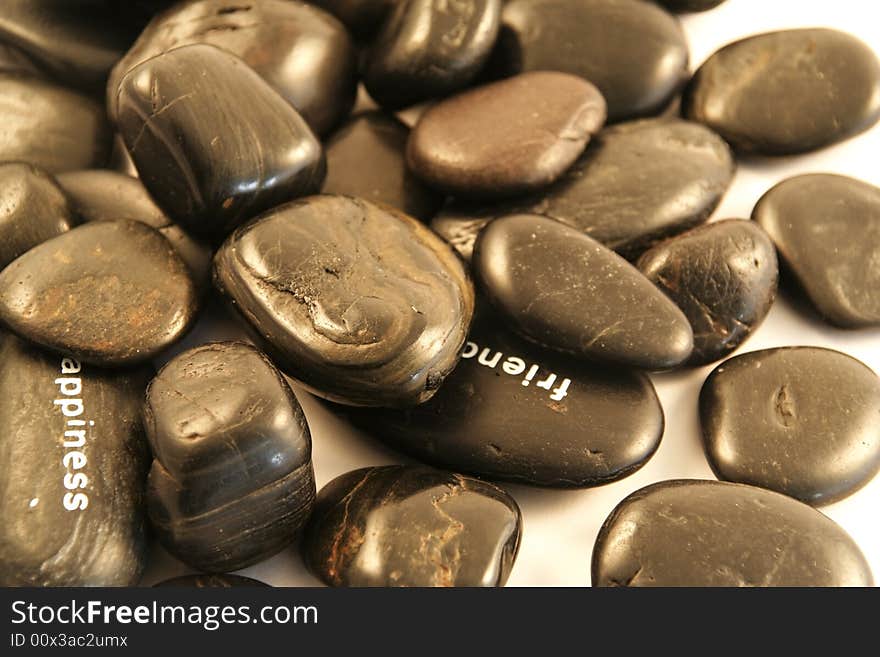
213, 143
798, 420
506, 138
211, 582
361, 17
51, 127
361, 304
636, 184
412, 526
102, 195
690, 5
712, 533
366, 158
301, 51
33, 209
787, 92
723, 276
512, 412
633, 51
108, 293
827, 231
232, 480
563, 290
73, 461
428, 49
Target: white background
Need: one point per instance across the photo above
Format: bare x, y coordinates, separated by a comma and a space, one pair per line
561, 526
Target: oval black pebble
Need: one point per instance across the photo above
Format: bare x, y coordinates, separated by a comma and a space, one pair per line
827, 231
723, 276
787, 92
176, 113
366, 158
232, 480
50, 126
563, 290
508, 137
798, 420
211, 582
102, 195
108, 292
512, 412
300, 50
33, 209
690, 5
711, 533
360, 303
637, 183
73, 464
633, 51
428, 49
412, 526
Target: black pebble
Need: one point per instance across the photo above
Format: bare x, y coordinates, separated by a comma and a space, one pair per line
723, 276
710, 533
360, 303
798, 420
211, 582
73, 463
232, 480
213, 143
412, 526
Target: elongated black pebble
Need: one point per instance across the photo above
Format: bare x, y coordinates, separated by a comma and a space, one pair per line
798, 420
50, 126
33, 209
712, 533
232, 479
211, 582
827, 231
300, 50
111, 293
633, 51
103, 195
427, 49
563, 290
358, 302
412, 526
690, 5
787, 92
512, 412
73, 468
213, 143
636, 184
723, 276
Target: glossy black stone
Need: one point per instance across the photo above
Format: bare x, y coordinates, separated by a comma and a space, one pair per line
73, 463
360, 303
49, 126
211, 582
798, 420
787, 92
366, 158
412, 526
633, 51
723, 276
33, 209
213, 143
512, 412
690, 5
506, 138
108, 292
429, 49
102, 195
563, 290
827, 231
232, 480
300, 50
711, 533
636, 184
361, 17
